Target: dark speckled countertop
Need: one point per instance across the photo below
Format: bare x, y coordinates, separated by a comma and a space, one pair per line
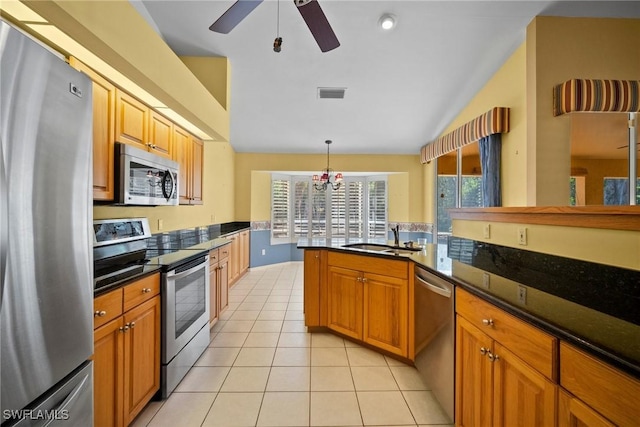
595, 307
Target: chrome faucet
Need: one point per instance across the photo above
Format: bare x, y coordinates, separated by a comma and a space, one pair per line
396, 235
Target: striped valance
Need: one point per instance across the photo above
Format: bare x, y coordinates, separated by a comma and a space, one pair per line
493, 121
596, 96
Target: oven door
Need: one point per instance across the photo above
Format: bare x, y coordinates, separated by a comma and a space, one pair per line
186, 305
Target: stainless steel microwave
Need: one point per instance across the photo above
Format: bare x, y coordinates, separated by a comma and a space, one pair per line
144, 178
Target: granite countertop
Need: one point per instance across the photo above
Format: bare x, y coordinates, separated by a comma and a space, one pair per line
593, 306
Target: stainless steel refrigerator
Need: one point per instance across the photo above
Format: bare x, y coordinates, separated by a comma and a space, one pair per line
46, 331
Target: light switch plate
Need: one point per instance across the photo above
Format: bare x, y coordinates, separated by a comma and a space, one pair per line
522, 236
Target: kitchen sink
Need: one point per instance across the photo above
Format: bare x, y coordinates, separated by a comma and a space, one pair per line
382, 248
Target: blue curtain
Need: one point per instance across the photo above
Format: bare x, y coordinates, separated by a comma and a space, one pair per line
490, 154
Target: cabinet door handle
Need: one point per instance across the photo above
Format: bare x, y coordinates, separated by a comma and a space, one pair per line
487, 322
100, 313
132, 324
124, 328
483, 351
492, 357
364, 279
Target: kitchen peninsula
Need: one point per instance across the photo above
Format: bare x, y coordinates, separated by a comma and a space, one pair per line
580, 315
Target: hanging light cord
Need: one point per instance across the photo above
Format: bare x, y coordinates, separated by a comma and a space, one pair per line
277, 43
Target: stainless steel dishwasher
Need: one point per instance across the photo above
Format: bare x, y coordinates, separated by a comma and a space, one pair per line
435, 336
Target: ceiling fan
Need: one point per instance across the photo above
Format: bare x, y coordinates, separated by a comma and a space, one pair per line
310, 10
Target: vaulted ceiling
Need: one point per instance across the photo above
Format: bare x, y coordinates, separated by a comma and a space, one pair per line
403, 86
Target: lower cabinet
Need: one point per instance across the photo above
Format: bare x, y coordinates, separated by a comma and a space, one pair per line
126, 351
218, 282
594, 393
369, 301
504, 368
239, 251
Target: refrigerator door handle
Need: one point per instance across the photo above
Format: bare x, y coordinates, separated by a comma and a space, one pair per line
72, 395
4, 221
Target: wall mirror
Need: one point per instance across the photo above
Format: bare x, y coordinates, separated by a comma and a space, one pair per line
600, 159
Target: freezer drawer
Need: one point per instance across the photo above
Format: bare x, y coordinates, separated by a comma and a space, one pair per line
68, 404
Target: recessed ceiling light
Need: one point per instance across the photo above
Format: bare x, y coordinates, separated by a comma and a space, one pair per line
387, 21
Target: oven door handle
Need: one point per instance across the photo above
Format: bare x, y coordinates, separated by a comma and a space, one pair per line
434, 288
201, 265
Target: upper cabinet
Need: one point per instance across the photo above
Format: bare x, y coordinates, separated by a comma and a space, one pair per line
140, 126
104, 96
118, 116
189, 155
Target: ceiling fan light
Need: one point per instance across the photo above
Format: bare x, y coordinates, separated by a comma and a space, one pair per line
387, 21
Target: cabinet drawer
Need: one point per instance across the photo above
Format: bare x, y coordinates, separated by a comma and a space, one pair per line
140, 291
612, 393
107, 307
535, 347
224, 252
370, 264
214, 255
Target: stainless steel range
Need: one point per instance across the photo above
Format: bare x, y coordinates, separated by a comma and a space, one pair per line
125, 249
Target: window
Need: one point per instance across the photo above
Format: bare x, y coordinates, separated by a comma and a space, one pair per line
358, 209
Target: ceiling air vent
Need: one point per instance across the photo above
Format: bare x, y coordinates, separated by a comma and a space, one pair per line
331, 92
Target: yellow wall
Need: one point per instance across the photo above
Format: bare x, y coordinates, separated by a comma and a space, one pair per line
506, 88
619, 248
560, 49
218, 195
214, 73
253, 180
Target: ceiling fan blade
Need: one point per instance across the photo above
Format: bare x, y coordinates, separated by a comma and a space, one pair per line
318, 24
232, 17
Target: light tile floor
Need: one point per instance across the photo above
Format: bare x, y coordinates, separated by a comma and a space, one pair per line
262, 368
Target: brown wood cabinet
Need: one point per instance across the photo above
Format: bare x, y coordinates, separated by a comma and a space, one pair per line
369, 301
505, 368
239, 251
126, 351
572, 412
314, 277
104, 95
344, 298
190, 156
245, 250
138, 125
595, 393
218, 282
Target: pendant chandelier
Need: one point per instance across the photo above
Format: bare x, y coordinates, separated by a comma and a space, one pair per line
321, 182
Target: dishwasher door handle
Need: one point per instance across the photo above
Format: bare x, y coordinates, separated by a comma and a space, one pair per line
434, 288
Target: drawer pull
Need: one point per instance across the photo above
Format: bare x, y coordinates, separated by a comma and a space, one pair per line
146, 290
483, 351
100, 313
487, 322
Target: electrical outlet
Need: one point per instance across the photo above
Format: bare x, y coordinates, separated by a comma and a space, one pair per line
264, 252
487, 231
485, 280
522, 295
522, 236
160, 224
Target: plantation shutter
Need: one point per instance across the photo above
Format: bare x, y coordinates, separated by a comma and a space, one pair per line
338, 212
318, 213
280, 219
301, 208
377, 208
356, 223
